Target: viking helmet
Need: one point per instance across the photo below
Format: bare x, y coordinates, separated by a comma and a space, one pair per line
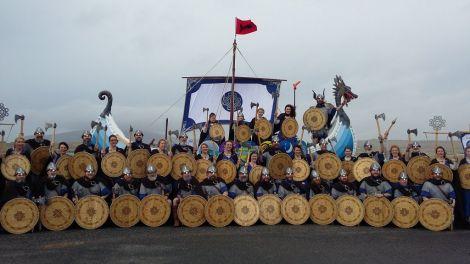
436, 170
319, 96
211, 169
126, 170
89, 168
265, 171
343, 172
151, 169
323, 142
243, 170
403, 176
367, 143
20, 170
289, 171
275, 138
185, 169
314, 174
86, 133
51, 166
138, 132
374, 166
416, 145
183, 134
38, 131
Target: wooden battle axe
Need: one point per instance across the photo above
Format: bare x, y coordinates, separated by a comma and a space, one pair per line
377, 117
411, 131
20, 117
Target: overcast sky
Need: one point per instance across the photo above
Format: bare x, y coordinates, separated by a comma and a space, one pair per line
408, 59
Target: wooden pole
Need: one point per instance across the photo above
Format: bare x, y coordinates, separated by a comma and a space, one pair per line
436, 138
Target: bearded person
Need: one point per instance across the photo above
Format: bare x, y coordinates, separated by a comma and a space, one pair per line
89, 185
375, 184
343, 186
289, 186
404, 188
53, 185
185, 186
265, 185
317, 185
86, 144
213, 185
241, 185
182, 146
38, 140
126, 184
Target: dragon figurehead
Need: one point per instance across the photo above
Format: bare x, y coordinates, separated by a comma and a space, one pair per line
342, 92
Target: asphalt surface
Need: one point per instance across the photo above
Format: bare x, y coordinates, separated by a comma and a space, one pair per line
282, 243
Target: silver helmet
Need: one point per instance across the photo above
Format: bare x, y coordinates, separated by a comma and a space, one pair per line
416, 145
436, 170
243, 170
20, 170
343, 172
265, 171
126, 170
51, 166
319, 96
38, 131
323, 142
89, 168
275, 138
314, 174
86, 133
403, 176
374, 166
211, 169
289, 171
367, 143
185, 169
151, 169
138, 132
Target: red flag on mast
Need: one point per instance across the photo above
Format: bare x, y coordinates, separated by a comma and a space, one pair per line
244, 27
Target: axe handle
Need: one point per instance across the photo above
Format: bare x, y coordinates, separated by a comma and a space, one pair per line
21, 127
301, 137
166, 129
378, 126
388, 130
409, 138
130, 144
194, 139
104, 139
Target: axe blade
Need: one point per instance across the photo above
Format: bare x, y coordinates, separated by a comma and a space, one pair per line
47, 126
18, 117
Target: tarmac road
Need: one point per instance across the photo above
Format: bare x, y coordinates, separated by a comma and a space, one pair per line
282, 243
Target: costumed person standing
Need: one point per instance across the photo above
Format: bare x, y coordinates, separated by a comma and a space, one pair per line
254, 137
38, 140
369, 153
182, 146
113, 141
205, 133
229, 154
466, 192
205, 153
86, 144
138, 142
289, 112
240, 121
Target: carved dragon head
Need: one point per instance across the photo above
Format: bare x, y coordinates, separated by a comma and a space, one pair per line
342, 91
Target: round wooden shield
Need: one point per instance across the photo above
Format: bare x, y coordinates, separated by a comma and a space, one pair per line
435, 214
289, 128
202, 165
154, 210
62, 165
348, 166
19, 216
328, 166
246, 210
323, 209
91, 212
350, 210
264, 128
295, 209
392, 169
12, 162
219, 210
416, 169
361, 168
405, 212
78, 163
124, 210
178, 161
216, 132
113, 163
255, 174
315, 119
58, 214
243, 133
162, 162
378, 211
446, 171
270, 209
278, 164
137, 161
39, 158
191, 211
226, 170
301, 169
464, 175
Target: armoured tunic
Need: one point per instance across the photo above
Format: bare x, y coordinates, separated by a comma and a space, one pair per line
263, 188
440, 189
240, 188
213, 187
321, 188
122, 187
184, 189
374, 185
408, 190
180, 148
34, 144
342, 188
157, 186
289, 187
54, 187
82, 188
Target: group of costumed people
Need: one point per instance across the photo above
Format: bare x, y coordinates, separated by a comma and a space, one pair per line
47, 184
